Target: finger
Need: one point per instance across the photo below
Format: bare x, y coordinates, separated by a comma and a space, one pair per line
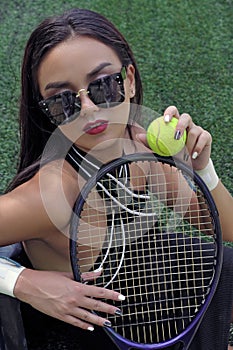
184, 122
192, 138
73, 320
89, 276
202, 142
100, 306
198, 139
170, 112
86, 320
102, 293
89, 318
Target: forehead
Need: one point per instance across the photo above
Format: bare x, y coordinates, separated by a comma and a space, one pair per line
77, 56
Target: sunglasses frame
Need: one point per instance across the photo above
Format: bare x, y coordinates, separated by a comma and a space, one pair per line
44, 104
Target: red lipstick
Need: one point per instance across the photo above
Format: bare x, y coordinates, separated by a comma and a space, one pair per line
96, 127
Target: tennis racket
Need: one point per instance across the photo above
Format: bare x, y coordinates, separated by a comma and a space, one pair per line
150, 228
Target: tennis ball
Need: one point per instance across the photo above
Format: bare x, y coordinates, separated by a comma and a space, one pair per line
160, 137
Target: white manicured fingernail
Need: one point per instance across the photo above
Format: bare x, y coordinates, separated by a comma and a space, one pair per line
166, 118
91, 329
195, 155
100, 269
121, 297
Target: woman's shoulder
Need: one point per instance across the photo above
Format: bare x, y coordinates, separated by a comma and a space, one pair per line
51, 193
38, 206
58, 181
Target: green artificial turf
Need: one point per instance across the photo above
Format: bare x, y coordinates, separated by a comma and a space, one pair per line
184, 50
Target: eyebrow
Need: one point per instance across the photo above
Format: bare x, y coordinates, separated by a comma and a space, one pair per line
57, 85
98, 69
65, 84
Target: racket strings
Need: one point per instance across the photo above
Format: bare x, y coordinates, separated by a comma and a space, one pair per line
161, 257
89, 167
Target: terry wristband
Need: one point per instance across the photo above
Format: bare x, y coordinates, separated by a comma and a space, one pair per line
209, 176
9, 273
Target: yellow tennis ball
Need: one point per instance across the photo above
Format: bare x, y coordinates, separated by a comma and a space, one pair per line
160, 137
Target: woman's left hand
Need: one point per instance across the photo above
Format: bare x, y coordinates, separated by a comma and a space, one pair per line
198, 144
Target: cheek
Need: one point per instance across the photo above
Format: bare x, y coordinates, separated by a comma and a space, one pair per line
120, 114
117, 116
73, 130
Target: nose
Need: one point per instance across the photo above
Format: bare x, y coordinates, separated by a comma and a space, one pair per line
87, 106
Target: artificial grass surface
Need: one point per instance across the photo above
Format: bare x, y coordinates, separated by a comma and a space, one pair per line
184, 50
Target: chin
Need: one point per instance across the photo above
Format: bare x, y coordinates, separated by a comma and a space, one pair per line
105, 149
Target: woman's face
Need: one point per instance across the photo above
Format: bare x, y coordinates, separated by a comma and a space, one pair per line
73, 65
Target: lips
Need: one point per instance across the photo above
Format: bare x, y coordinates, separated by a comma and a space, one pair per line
96, 127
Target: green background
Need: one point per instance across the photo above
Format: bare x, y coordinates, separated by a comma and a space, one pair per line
184, 50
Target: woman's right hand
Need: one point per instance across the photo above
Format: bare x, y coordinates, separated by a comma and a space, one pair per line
58, 295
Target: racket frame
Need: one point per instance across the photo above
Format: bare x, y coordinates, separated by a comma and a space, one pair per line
184, 339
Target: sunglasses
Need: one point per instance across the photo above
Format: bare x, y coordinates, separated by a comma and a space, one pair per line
105, 92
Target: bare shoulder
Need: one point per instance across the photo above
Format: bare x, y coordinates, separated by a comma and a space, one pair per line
39, 206
59, 178
59, 185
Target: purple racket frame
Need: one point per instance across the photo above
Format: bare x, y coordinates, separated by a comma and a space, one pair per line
184, 339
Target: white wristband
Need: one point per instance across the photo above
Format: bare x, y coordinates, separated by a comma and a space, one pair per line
209, 176
9, 273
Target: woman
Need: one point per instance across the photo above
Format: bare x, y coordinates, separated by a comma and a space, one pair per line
66, 60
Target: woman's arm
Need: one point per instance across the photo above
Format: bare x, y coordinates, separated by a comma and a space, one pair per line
58, 295
198, 147
22, 215
37, 209
224, 202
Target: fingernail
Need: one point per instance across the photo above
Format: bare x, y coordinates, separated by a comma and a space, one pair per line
166, 118
100, 269
121, 297
177, 135
118, 312
107, 324
195, 155
186, 157
91, 329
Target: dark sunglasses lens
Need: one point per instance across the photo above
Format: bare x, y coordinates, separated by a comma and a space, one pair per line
62, 107
108, 91
105, 92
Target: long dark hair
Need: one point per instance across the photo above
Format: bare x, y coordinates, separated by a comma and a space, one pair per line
35, 128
